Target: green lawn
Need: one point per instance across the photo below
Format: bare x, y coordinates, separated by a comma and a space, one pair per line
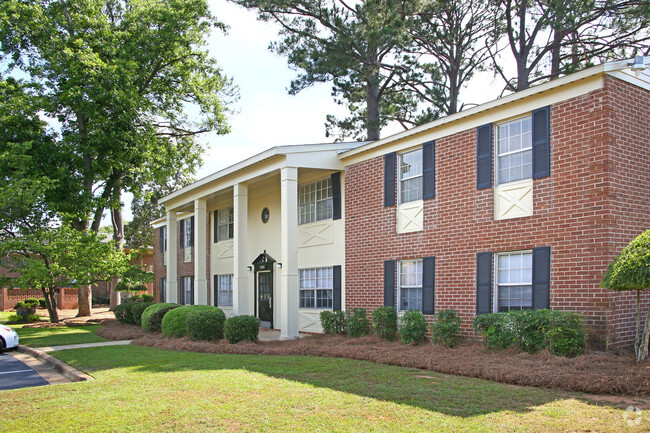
140, 389
41, 337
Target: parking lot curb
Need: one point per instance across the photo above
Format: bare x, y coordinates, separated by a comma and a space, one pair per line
70, 373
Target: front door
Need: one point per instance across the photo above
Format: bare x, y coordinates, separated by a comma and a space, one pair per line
265, 298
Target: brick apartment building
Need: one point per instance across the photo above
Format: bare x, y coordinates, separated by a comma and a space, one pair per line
517, 203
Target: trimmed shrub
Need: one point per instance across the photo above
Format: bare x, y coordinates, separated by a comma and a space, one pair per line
42, 303
135, 298
147, 297
357, 322
242, 328
123, 313
563, 333
413, 327
384, 322
152, 317
333, 322
17, 318
206, 325
137, 308
446, 328
31, 302
174, 323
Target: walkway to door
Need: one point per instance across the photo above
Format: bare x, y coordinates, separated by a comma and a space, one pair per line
274, 334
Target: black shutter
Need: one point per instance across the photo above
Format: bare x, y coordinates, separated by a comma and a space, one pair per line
161, 235
215, 225
541, 277
336, 195
429, 170
389, 180
483, 283
389, 283
484, 156
216, 291
181, 288
541, 143
181, 232
428, 284
191, 242
336, 288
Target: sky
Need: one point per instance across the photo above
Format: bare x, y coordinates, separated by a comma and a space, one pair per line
266, 115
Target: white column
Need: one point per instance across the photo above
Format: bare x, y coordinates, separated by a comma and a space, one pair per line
200, 252
289, 257
171, 294
241, 299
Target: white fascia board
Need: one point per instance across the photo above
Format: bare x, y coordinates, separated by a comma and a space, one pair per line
310, 154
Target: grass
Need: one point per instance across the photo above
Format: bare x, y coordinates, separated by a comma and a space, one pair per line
42, 337
141, 389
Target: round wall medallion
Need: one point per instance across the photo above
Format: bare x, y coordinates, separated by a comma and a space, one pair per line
265, 215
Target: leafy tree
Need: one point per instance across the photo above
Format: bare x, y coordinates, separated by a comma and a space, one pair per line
630, 270
456, 33
120, 77
49, 259
358, 46
567, 35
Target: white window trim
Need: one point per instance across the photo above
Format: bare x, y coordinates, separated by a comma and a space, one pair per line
219, 291
164, 239
496, 149
399, 282
331, 197
495, 272
187, 232
315, 289
232, 212
400, 180
188, 279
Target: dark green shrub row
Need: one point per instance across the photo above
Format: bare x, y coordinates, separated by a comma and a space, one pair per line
358, 324
242, 328
174, 323
562, 333
333, 322
384, 322
147, 297
206, 325
16, 318
446, 328
152, 317
413, 327
130, 312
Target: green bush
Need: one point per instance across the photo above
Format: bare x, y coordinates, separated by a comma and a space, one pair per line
384, 322
137, 308
174, 323
122, 313
357, 322
17, 318
147, 297
42, 303
333, 322
446, 328
560, 332
206, 325
152, 317
135, 298
413, 327
242, 328
32, 302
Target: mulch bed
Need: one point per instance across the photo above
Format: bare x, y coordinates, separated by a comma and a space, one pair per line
594, 373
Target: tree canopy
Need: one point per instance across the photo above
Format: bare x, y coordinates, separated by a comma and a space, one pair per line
630, 270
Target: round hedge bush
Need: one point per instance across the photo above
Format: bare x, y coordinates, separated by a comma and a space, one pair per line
242, 328
174, 324
137, 308
152, 317
206, 325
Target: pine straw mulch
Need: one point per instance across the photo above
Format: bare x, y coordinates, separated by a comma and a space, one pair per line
593, 373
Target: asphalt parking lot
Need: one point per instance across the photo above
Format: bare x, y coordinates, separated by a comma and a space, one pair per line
14, 373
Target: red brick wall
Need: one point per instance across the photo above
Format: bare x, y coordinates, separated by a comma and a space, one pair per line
571, 215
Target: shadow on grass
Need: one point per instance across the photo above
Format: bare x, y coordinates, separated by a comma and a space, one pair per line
450, 395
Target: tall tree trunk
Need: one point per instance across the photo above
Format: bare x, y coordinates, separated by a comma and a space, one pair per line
118, 233
85, 301
555, 55
50, 304
372, 107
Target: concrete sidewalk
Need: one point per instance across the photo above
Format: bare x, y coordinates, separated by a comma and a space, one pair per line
85, 345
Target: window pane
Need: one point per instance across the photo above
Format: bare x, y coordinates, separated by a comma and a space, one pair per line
410, 175
514, 281
514, 150
315, 201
